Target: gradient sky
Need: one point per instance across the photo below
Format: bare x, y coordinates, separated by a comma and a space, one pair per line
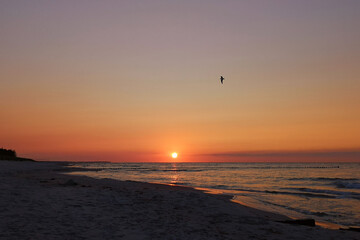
137, 80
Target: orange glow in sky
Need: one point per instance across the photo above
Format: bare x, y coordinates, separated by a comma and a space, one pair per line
132, 81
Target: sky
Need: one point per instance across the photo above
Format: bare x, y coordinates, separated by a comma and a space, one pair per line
137, 80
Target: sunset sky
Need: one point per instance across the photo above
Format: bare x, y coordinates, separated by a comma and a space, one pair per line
137, 80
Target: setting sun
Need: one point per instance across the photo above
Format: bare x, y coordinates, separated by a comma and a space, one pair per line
174, 155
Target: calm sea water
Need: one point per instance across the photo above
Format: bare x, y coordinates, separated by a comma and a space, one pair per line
328, 192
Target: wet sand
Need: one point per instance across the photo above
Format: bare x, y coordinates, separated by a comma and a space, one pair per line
39, 201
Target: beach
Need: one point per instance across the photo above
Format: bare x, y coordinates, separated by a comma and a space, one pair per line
325, 192
39, 201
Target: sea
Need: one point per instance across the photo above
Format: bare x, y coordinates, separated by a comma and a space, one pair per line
326, 192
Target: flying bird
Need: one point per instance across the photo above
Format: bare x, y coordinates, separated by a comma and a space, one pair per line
222, 79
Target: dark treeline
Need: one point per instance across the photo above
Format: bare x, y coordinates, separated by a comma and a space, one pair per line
7, 152
10, 155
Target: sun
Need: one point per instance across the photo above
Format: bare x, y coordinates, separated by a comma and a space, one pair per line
174, 155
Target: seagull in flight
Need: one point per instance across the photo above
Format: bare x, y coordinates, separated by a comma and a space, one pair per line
222, 79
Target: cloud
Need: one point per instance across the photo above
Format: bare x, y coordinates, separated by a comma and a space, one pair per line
341, 155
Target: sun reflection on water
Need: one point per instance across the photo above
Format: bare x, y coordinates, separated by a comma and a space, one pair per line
174, 178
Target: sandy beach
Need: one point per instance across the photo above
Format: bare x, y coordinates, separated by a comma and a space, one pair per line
39, 201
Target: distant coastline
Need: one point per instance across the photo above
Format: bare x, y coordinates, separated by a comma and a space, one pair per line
10, 155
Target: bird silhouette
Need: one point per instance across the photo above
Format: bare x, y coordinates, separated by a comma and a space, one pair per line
222, 79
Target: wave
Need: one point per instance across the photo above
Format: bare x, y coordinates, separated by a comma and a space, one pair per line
179, 183
279, 167
303, 211
338, 194
349, 185
301, 192
179, 170
138, 169
323, 179
304, 194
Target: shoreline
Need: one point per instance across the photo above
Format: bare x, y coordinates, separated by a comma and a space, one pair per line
78, 170
40, 201
68, 169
